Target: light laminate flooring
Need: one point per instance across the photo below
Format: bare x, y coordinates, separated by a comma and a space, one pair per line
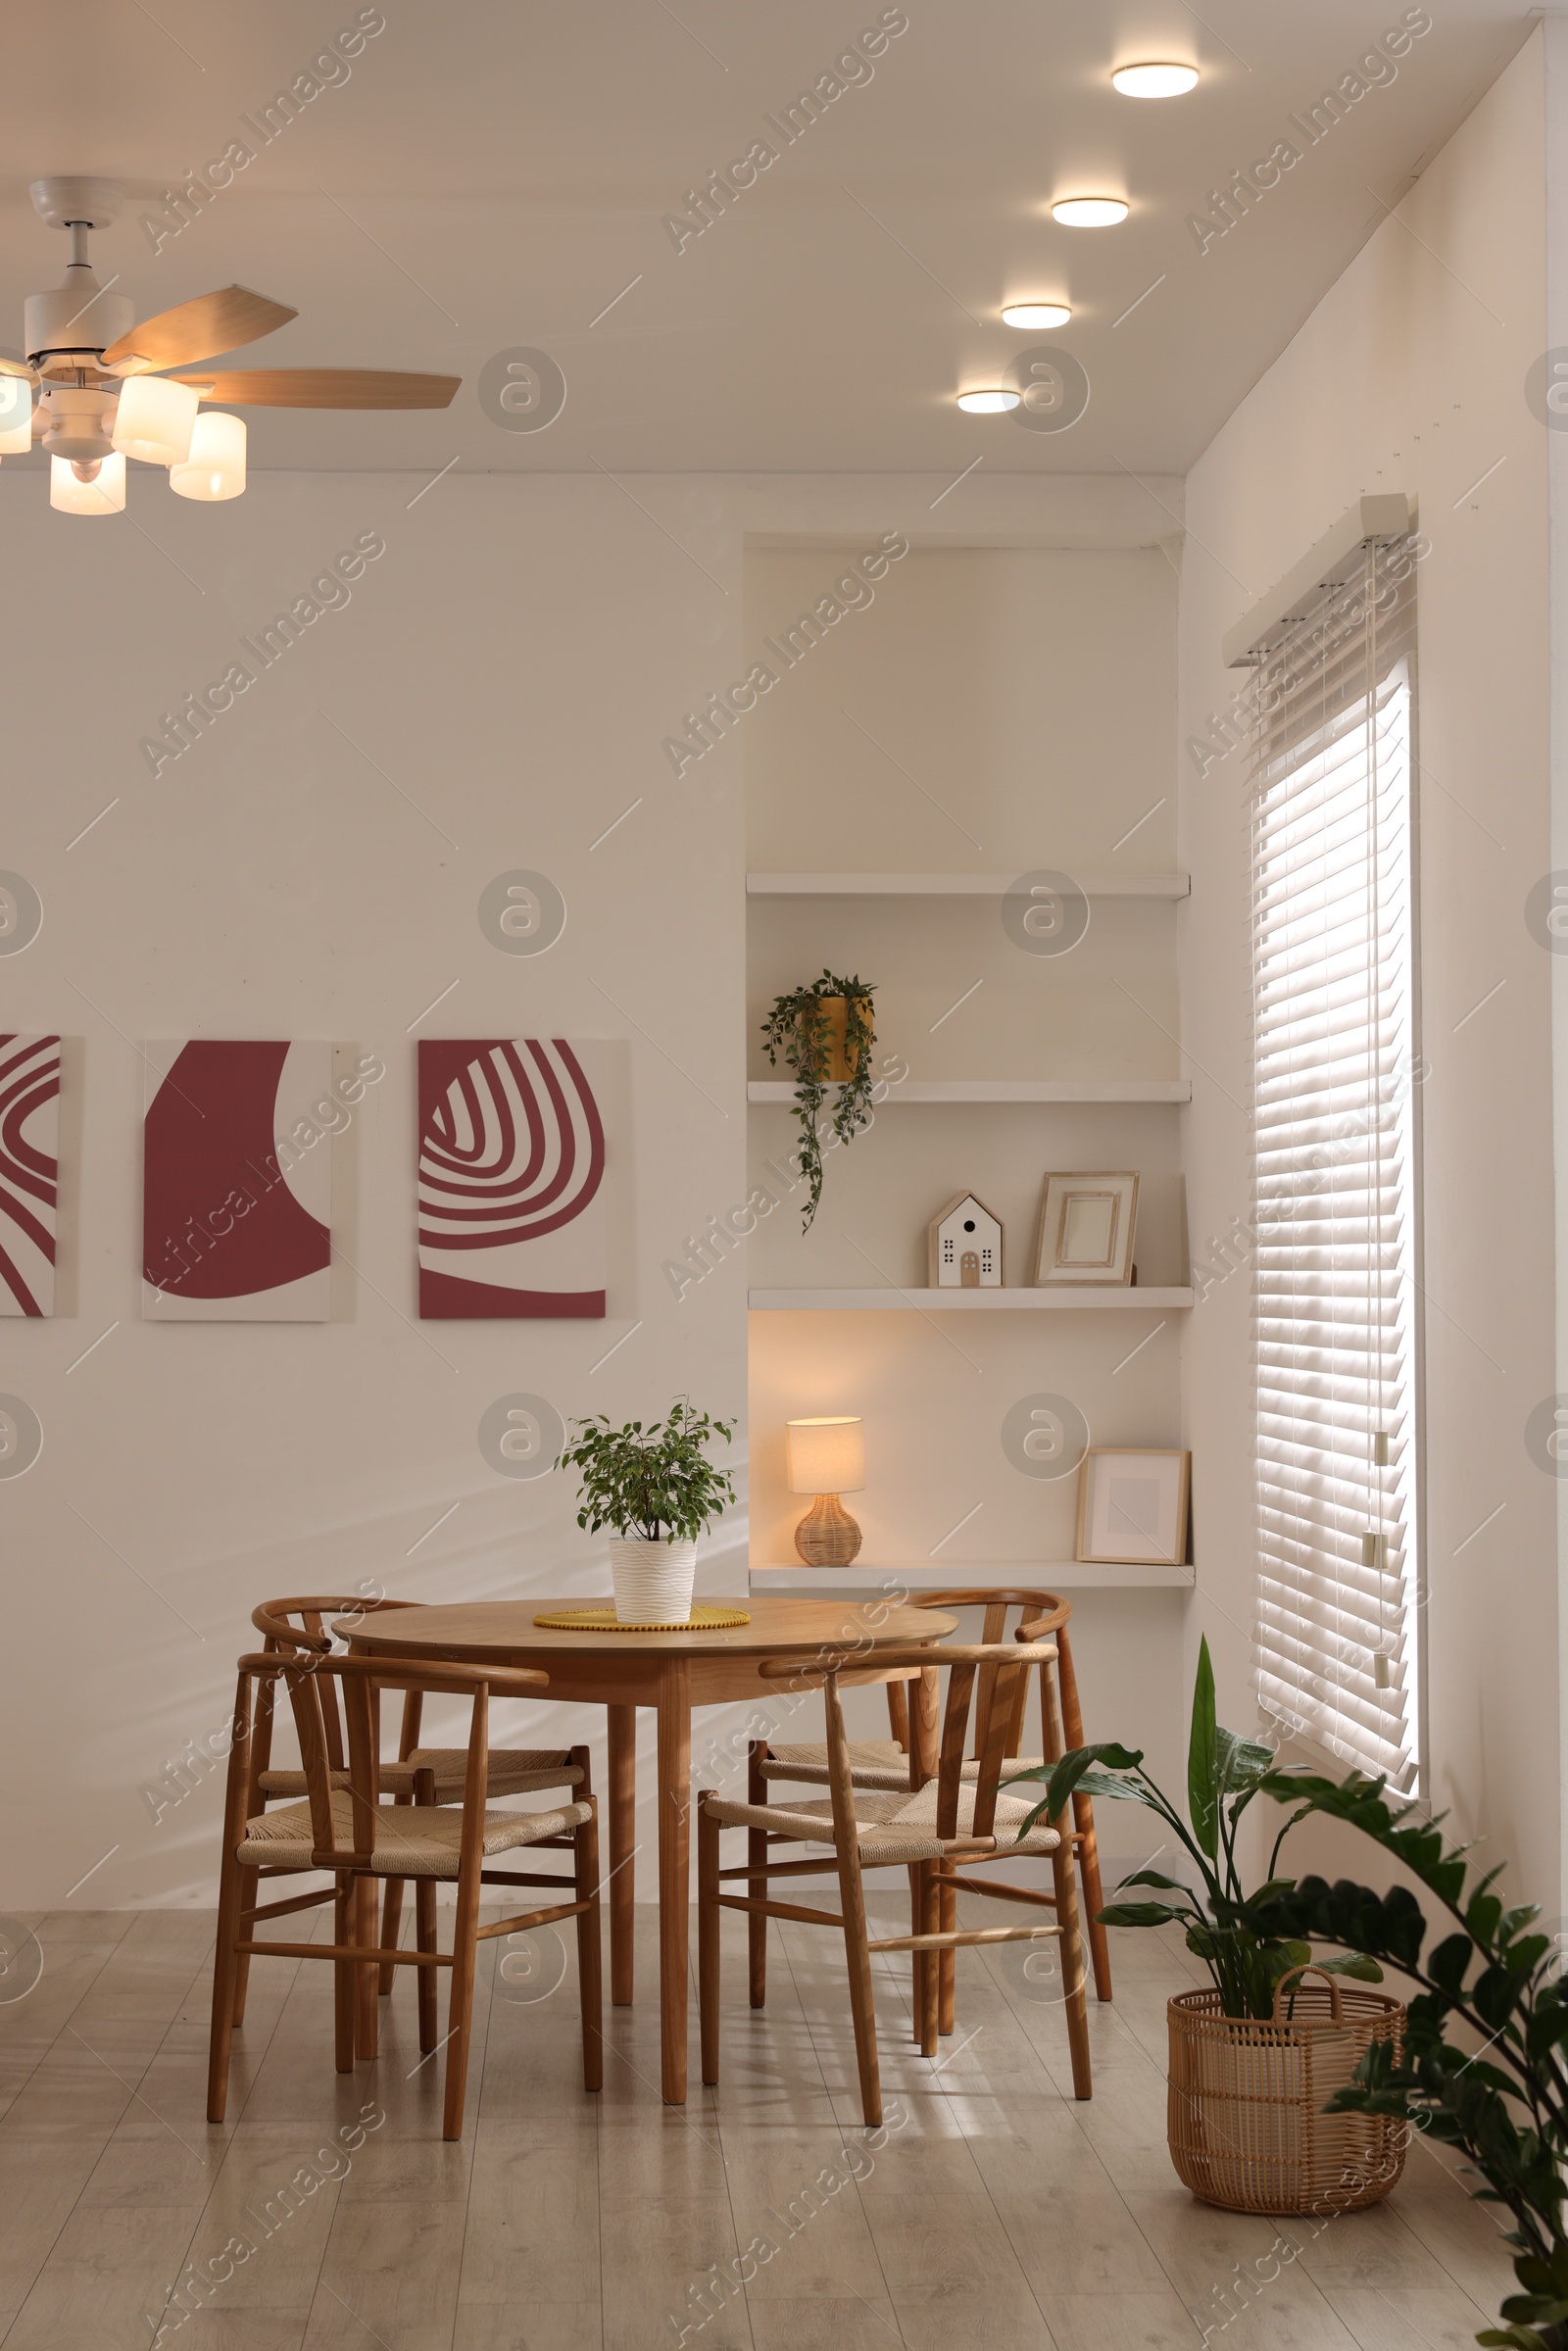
998, 2211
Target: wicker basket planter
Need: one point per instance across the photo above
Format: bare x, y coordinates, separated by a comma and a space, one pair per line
1244, 2118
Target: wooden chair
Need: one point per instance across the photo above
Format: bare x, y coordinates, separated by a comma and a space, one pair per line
890, 1764
344, 1827
303, 1625
954, 1822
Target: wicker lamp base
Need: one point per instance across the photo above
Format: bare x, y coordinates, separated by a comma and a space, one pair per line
827, 1536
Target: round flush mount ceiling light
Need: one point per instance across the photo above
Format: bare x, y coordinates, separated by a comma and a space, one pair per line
1090, 211
1154, 81
988, 404
1036, 314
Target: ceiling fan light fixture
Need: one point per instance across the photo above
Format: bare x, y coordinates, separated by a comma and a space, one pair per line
105, 494
1090, 211
1035, 313
216, 467
16, 415
155, 420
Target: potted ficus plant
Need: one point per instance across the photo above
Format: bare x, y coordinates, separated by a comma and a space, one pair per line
1256, 2058
657, 1491
825, 1033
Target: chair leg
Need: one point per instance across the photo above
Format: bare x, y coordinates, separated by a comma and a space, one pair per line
460, 2012
590, 1955
1066, 1876
367, 1973
946, 1961
709, 1918
391, 1929
863, 2006
921, 1959
930, 1922
755, 1888
1083, 1812
343, 1975
245, 1933
425, 1941
231, 1903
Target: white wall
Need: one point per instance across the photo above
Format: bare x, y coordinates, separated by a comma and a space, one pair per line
509, 667
1409, 375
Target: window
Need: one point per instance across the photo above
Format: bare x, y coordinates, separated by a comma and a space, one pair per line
1336, 1290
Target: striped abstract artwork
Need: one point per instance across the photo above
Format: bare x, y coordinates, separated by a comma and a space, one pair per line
29, 1172
511, 1164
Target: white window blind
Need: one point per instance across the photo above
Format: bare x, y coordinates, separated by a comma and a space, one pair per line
1335, 1288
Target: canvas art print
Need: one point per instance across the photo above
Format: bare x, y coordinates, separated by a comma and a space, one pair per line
237, 1196
29, 1172
511, 1166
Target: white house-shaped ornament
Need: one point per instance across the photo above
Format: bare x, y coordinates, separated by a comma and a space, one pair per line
964, 1246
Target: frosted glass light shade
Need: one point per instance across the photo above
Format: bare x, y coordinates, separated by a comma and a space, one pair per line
16, 415
105, 495
1090, 211
827, 1457
154, 421
215, 465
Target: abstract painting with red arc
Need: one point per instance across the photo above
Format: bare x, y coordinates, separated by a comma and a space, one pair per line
29, 1172
511, 1166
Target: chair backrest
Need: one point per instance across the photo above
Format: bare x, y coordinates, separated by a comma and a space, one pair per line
316, 1685
298, 1627
1042, 1614
988, 1676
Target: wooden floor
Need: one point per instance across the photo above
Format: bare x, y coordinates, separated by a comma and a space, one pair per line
998, 2213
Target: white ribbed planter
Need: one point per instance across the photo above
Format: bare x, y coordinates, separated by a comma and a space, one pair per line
653, 1580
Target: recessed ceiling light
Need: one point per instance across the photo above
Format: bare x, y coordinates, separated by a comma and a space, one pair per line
1036, 314
988, 404
1090, 211
1154, 81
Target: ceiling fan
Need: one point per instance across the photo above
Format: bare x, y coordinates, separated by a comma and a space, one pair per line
93, 389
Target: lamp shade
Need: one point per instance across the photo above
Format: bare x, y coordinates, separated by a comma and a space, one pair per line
16, 415
827, 1457
154, 421
215, 465
105, 494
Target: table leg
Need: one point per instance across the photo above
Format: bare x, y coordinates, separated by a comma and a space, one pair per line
674, 1870
622, 1807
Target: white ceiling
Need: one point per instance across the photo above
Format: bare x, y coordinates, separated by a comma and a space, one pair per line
495, 170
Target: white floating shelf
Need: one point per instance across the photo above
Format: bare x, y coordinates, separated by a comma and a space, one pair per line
1070, 1299
1002, 1090
955, 885
932, 1575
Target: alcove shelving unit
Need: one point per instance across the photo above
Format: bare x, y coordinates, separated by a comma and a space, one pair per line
1009, 699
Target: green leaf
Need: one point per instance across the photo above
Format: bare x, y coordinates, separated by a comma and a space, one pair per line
1353, 1963
1066, 1776
1137, 1914
1243, 1763
1202, 1771
1154, 1878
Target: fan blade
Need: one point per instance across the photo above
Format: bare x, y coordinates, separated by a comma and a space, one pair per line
325, 387
220, 322
15, 367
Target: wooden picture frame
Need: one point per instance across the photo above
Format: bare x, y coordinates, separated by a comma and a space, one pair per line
1088, 1218
1134, 1505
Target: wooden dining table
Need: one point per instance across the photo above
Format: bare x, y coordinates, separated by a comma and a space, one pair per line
672, 1671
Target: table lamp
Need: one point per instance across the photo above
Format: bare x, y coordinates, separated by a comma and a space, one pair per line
827, 1458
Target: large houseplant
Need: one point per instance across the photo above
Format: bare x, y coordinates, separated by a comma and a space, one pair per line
657, 1491
825, 1033
1253, 2062
1503, 2100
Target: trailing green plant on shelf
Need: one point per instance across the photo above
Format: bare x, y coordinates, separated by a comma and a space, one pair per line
1504, 2101
655, 1485
1241, 1941
805, 1026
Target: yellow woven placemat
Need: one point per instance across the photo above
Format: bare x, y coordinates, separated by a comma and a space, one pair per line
605, 1620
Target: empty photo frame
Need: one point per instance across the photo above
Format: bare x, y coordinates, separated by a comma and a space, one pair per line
1086, 1227
1132, 1505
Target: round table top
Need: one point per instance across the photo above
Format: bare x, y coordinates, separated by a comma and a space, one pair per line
506, 1627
